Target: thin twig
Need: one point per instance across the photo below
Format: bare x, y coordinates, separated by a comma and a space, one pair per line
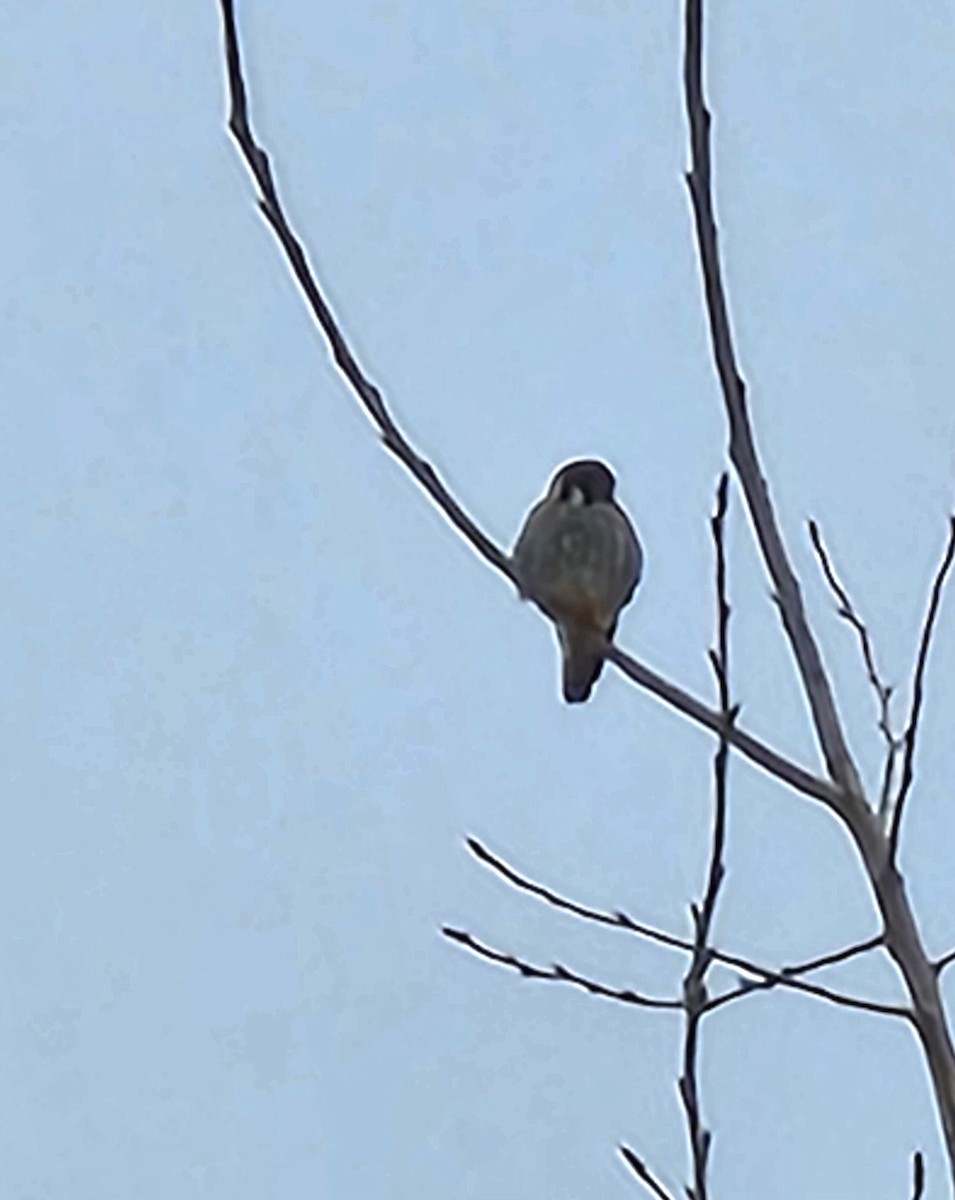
786, 977
555, 973
911, 729
694, 983
644, 1174
945, 961
368, 394
918, 1175
883, 691
836, 956
742, 444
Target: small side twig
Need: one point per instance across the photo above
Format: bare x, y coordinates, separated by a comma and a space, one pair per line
918, 683
644, 1174
883, 691
833, 957
918, 1175
946, 960
555, 973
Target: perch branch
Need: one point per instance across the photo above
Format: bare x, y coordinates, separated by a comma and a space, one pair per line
371, 400
764, 756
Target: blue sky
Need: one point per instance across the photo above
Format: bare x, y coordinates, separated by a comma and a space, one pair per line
256, 691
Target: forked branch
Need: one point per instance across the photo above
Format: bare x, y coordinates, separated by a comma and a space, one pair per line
883, 691
762, 977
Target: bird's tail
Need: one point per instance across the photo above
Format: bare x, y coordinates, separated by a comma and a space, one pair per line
583, 661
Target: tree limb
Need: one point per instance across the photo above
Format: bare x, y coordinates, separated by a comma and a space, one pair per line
742, 444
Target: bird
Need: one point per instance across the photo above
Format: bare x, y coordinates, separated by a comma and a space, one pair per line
578, 558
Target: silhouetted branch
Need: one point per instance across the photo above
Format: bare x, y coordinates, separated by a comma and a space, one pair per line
555, 973
644, 1174
883, 691
742, 444
911, 729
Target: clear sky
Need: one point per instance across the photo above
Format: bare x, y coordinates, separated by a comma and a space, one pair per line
255, 690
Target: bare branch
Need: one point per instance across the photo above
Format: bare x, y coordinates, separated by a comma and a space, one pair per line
368, 395
911, 729
555, 973
742, 445
787, 977
644, 1174
883, 691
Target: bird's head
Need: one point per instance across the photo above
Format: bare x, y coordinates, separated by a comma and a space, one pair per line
584, 481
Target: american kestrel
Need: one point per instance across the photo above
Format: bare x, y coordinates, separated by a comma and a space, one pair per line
579, 559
